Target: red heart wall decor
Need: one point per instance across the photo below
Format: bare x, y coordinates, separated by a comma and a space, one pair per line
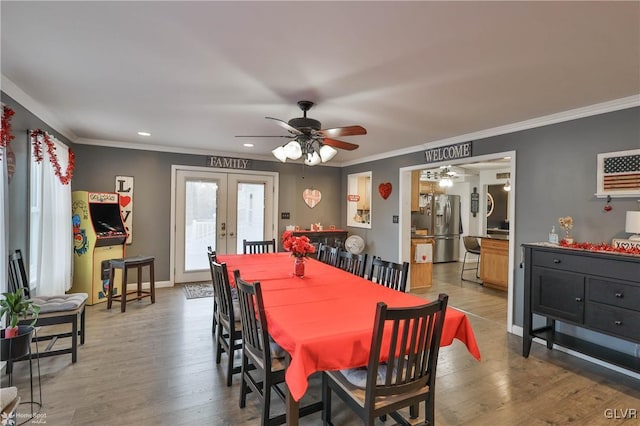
125, 200
385, 189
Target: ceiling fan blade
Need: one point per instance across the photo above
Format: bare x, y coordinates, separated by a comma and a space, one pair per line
265, 136
344, 131
339, 144
285, 125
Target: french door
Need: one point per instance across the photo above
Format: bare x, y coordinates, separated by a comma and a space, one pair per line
219, 210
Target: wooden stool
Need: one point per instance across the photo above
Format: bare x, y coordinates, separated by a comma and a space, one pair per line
131, 262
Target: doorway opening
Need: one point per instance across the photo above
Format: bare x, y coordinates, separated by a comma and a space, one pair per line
474, 174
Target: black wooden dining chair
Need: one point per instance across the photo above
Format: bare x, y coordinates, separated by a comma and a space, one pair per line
408, 375
263, 364
354, 263
269, 371
228, 330
255, 247
389, 274
211, 255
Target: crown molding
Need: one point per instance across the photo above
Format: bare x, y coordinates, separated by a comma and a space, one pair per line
35, 107
170, 149
573, 114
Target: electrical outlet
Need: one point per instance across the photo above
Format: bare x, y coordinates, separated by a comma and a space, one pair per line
395, 219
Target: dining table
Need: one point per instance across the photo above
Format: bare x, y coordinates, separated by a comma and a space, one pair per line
324, 320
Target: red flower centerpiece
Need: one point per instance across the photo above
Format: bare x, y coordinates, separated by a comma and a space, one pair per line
300, 248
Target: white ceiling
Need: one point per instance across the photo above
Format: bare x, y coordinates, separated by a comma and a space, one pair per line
195, 74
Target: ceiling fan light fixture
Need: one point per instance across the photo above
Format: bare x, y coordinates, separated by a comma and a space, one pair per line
280, 154
446, 182
293, 150
312, 159
327, 153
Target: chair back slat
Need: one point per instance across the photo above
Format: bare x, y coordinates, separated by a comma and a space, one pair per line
18, 280
222, 294
254, 322
411, 351
354, 263
389, 274
256, 247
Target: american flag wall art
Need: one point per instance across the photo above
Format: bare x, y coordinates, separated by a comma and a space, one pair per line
619, 173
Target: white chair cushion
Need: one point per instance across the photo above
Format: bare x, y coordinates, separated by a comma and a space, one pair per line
61, 303
7, 395
358, 376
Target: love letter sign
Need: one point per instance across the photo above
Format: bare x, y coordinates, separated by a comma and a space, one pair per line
124, 188
385, 189
311, 197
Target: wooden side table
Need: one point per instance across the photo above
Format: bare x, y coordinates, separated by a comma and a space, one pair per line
137, 262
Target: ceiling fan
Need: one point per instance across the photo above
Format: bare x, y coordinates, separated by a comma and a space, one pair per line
308, 139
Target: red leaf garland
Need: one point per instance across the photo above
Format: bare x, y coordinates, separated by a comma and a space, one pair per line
5, 130
601, 247
53, 157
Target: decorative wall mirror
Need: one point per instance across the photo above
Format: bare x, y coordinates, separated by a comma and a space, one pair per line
359, 200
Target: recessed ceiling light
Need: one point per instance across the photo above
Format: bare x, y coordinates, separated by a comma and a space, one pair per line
248, 145
144, 133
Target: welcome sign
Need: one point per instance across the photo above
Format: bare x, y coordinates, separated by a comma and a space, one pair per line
448, 152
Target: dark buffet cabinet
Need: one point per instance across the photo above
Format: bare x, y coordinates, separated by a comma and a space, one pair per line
598, 291
331, 237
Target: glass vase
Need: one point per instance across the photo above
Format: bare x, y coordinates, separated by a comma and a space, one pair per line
298, 267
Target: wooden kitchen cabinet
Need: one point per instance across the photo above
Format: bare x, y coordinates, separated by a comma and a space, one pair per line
420, 273
494, 263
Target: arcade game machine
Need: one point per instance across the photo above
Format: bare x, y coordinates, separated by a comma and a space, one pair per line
99, 235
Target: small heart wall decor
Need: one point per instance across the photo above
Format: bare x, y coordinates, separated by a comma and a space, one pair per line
124, 200
385, 189
311, 197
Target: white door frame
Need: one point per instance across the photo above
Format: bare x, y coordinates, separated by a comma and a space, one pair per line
172, 225
404, 243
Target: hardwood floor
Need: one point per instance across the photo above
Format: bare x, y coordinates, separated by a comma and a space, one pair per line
155, 365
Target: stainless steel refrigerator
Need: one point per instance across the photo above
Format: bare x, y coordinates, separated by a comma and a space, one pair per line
440, 214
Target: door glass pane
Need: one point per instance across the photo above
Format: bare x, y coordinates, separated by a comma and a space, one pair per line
250, 213
200, 223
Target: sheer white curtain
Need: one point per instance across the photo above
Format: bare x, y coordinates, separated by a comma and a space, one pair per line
4, 217
51, 236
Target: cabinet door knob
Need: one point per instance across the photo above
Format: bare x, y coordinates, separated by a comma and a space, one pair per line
578, 299
619, 295
556, 260
617, 322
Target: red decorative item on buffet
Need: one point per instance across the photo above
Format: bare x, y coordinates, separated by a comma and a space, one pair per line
601, 247
385, 189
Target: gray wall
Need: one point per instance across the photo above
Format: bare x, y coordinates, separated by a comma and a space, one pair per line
96, 168
555, 176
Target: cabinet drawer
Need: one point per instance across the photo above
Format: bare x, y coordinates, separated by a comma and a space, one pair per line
614, 293
617, 321
626, 267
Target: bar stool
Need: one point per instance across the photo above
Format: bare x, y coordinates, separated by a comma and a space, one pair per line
137, 262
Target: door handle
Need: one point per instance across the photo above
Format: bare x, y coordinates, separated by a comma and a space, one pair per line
231, 234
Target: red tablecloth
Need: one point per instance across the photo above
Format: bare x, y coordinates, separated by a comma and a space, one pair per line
325, 320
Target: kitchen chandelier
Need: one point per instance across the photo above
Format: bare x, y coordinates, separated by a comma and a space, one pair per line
314, 151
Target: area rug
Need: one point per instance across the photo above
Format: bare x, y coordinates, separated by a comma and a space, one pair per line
198, 290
